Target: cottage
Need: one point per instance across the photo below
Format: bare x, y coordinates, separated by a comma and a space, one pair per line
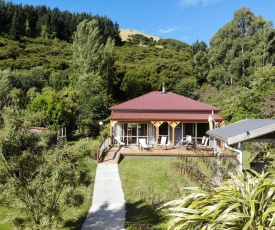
162, 114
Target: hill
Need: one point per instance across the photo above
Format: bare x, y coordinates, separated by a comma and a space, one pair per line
125, 33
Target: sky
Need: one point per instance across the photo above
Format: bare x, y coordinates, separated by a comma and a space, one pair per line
184, 20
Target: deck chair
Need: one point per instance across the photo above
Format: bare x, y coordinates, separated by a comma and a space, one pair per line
162, 142
187, 142
204, 148
118, 141
202, 141
142, 144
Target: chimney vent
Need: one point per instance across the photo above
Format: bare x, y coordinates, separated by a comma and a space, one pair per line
163, 88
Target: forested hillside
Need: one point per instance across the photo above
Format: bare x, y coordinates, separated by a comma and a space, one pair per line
66, 69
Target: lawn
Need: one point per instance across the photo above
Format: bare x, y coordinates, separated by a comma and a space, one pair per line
148, 182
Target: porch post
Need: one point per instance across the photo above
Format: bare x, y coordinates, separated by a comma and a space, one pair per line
157, 124
173, 124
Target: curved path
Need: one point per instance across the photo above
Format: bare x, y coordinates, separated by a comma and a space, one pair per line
108, 205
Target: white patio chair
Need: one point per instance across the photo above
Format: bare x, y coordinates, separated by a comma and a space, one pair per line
162, 142
142, 144
202, 141
204, 148
187, 142
118, 141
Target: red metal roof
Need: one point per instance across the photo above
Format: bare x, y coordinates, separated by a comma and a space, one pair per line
158, 101
158, 106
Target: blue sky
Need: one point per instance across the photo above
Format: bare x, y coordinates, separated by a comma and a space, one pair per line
185, 20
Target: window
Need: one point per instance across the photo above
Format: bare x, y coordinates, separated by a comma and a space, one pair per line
130, 132
202, 128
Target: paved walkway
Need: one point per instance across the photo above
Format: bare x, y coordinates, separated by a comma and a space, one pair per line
108, 205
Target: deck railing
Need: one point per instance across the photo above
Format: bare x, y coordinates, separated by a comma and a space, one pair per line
105, 146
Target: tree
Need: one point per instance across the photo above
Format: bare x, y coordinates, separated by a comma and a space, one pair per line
36, 178
241, 46
15, 26
245, 201
55, 108
93, 70
186, 87
263, 41
268, 110
5, 87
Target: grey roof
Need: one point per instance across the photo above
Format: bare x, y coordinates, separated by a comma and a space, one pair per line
244, 130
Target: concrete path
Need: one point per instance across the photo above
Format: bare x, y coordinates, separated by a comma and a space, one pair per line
108, 204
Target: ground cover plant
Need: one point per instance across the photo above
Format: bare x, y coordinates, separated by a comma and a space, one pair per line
244, 201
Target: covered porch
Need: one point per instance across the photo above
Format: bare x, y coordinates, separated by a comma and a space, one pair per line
162, 114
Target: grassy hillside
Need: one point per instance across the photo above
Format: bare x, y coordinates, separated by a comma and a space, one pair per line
126, 33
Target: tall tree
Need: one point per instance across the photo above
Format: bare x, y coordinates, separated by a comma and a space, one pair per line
200, 61
15, 26
93, 62
240, 45
5, 87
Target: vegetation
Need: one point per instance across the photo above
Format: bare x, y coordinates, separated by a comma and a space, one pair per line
245, 201
237, 67
37, 179
56, 75
149, 183
146, 184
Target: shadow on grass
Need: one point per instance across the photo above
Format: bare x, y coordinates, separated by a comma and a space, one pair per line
142, 213
75, 224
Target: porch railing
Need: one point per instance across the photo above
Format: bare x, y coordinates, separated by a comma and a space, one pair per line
103, 148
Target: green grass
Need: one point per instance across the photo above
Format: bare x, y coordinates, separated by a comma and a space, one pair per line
146, 181
4, 215
152, 180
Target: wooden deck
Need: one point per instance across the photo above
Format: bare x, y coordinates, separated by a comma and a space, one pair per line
113, 156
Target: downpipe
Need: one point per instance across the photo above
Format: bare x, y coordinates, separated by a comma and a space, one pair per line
239, 156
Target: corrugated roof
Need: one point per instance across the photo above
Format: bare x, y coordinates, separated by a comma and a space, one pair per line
163, 116
243, 130
157, 100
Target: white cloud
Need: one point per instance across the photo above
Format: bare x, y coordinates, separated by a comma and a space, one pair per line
186, 3
166, 31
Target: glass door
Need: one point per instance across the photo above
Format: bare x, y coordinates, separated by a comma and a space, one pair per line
163, 131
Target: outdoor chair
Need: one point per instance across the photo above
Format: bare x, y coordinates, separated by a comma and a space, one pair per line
162, 142
202, 141
118, 141
204, 148
187, 142
142, 144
